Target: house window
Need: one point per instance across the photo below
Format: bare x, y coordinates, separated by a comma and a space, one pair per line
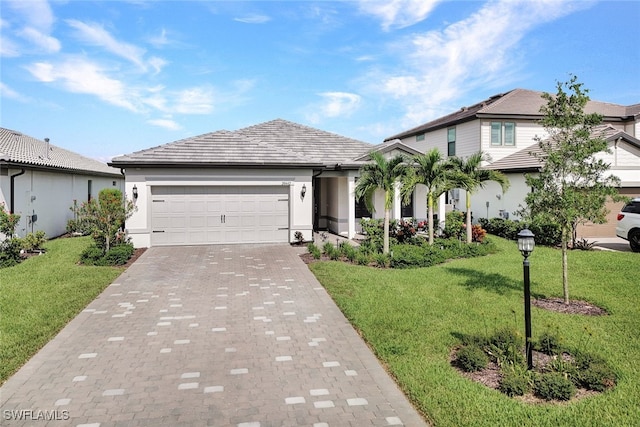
361, 209
451, 142
420, 137
406, 211
503, 133
89, 185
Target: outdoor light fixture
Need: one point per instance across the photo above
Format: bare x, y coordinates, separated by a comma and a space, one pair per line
303, 191
526, 243
135, 191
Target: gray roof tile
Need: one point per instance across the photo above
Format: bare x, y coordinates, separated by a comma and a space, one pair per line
518, 102
23, 150
275, 143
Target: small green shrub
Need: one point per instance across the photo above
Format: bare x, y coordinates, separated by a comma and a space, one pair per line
547, 233
327, 248
505, 346
362, 258
472, 358
550, 343
34, 241
598, 377
554, 386
314, 250
348, 251
119, 255
382, 260
92, 256
584, 360
454, 225
515, 382
10, 252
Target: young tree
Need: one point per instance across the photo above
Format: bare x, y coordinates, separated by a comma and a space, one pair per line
106, 216
432, 171
573, 183
383, 174
475, 177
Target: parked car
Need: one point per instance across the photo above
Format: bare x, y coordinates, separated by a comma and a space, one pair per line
629, 224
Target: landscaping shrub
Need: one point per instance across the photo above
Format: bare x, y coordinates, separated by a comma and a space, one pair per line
455, 227
34, 241
547, 233
515, 381
348, 251
314, 250
477, 233
119, 255
505, 346
402, 230
425, 255
362, 258
382, 260
550, 343
598, 377
554, 386
10, 252
327, 248
472, 358
91, 256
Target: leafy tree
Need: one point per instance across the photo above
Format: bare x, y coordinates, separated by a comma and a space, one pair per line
432, 171
475, 177
8, 222
573, 184
10, 245
383, 174
105, 217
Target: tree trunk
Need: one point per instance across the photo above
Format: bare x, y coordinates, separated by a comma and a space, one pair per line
385, 248
430, 215
469, 234
565, 273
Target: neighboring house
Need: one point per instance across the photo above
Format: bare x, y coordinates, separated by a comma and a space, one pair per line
258, 184
40, 182
504, 126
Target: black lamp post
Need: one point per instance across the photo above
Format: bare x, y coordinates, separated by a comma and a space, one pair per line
526, 243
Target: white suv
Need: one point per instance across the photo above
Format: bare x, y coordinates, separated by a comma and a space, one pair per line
629, 224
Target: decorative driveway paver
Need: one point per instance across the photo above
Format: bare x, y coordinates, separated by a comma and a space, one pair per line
239, 335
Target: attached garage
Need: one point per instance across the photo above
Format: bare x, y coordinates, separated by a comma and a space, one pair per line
194, 215
608, 229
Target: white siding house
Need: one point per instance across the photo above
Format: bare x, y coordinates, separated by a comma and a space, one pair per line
505, 127
40, 182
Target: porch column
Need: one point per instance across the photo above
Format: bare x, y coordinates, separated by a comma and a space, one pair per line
441, 210
351, 191
396, 213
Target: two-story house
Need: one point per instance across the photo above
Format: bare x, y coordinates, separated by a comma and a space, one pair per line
505, 126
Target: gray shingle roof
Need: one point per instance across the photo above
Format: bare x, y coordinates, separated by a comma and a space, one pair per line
517, 103
23, 150
523, 160
387, 147
277, 143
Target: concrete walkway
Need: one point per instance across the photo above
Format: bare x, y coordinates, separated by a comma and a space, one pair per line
208, 335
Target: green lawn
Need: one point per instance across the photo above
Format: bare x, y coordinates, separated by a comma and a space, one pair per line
412, 318
39, 296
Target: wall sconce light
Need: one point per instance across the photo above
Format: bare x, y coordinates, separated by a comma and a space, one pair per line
135, 192
303, 191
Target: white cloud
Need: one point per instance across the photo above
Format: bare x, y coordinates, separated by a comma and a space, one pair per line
438, 67
8, 93
37, 13
96, 35
334, 104
165, 123
160, 40
157, 64
78, 75
44, 41
398, 13
253, 19
197, 100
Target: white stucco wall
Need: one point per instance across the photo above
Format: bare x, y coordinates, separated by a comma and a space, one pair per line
498, 201
301, 209
49, 195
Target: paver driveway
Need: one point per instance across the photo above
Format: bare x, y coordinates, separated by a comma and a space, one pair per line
208, 335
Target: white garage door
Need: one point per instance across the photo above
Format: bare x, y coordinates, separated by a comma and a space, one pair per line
213, 215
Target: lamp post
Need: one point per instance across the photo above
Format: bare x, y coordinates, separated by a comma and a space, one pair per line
526, 243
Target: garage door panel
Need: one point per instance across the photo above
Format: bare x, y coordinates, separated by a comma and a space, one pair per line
210, 215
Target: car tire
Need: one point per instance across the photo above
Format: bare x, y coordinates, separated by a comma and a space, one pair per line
634, 240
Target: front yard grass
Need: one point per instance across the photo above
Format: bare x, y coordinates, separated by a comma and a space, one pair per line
39, 296
413, 318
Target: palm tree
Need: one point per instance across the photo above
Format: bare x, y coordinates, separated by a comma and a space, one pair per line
383, 174
475, 178
432, 171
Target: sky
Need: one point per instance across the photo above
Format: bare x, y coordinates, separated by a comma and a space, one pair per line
105, 78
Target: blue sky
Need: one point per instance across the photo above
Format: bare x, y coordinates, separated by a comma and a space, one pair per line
106, 78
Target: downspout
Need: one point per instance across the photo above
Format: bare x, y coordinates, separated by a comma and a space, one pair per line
12, 206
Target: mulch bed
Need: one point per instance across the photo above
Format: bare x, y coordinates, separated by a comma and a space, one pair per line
136, 254
574, 307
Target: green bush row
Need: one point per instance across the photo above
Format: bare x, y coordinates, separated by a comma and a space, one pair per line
117, 255
547, 233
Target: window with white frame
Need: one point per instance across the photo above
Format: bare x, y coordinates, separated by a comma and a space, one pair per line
420, 137
451, 141
503, 133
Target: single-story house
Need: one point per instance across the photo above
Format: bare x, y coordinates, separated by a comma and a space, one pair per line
262, 183
40, 182
504, 126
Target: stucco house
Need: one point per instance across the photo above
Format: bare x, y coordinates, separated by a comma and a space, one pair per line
504, 126
40, 181
262, 183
